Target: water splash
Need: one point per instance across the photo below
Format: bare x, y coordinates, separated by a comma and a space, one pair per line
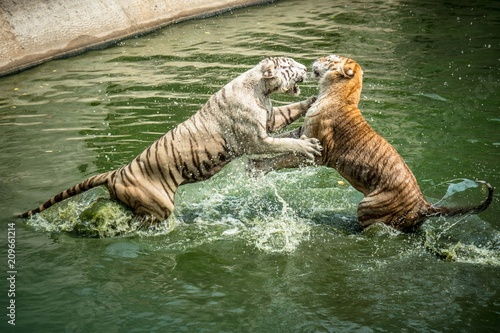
465, 184
432, 96
230, 206
275, 213
234, 205
282, 233
449, 249
463, 238
91, 214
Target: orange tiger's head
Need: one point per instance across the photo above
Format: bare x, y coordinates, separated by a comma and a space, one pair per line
334, 69
282, 74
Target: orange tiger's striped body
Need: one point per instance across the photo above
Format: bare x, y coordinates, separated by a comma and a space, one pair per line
234, 121
360, 155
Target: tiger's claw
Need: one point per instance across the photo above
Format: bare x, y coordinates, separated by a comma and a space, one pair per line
313, 147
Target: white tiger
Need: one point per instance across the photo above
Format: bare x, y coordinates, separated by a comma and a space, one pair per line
234, 121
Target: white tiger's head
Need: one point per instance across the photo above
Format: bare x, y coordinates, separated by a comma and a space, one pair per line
282, 74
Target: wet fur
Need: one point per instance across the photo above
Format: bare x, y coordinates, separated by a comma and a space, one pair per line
364, 158
235, 121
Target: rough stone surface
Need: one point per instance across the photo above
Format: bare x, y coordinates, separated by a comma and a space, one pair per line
34, 31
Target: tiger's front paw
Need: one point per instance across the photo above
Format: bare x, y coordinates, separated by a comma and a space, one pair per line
310, 101
312, 147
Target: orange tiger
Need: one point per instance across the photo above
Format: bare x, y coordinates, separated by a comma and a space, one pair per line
234, 121
364, 158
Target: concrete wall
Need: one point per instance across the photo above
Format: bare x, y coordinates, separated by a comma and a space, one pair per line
35, 31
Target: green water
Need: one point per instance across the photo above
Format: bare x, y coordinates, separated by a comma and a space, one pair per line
279, 253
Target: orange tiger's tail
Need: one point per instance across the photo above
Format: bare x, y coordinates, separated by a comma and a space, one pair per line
452, 211
87, 184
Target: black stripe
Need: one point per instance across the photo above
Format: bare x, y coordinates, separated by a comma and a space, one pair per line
45, 205
209, 155
222, 157
172, 134
191, 135
377, 160
208, 107
204, 128
72, 191
147, 165
172, 177
195, 159
167, 190
207, 166
186, 173
223, 95
164, 180
289, 115
126, 175
226, 147
113, 186
194, 122
58, 197
173, 152
143, 168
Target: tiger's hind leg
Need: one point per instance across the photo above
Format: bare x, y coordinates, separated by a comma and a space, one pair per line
374, 209
147, 202
154, 209
391, 208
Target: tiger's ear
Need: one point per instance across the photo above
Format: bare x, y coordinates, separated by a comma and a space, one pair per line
348, 71
268, 70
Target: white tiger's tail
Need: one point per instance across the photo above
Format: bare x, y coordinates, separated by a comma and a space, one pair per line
85, 185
